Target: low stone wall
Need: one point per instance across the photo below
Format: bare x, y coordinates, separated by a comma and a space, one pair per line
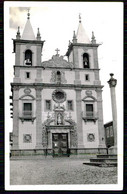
72, 152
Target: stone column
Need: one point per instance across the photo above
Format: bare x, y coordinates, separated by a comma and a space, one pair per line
100, 119
38, 117
79, 118
15, 118
112, 83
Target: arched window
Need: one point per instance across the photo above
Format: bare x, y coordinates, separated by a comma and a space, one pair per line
28, 57
58, 77
85, 60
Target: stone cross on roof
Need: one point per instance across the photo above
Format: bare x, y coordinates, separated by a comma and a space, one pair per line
57, 50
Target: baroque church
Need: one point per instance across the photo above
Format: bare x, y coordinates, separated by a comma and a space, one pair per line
57, 104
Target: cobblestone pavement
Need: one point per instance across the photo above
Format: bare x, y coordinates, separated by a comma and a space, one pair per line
59, 171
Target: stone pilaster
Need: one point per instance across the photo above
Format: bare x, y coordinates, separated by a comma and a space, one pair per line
95, 57
100, 119
17, 56
15, 117
38, 75
38, 117
17, 75
79, 118
39, 55
76, 65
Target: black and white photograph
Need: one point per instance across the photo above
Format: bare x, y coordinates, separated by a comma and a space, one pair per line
63, 69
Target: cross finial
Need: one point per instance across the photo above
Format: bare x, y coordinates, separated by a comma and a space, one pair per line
79, 17
57, 50
28, 14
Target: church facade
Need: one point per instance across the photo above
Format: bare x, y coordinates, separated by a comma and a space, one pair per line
57, 104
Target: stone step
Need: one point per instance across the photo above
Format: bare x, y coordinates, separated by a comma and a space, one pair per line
101, 164
106, 156
103, 159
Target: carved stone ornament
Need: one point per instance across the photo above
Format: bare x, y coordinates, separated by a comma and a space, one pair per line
27, 90
88, 93
59, 96
27, 138
54, 77
15, 88
91, 137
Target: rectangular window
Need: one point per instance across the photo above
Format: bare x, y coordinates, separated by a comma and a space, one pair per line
89, 110
108, 135
48, 105
87, 77
27, 74
70, 104
27, 109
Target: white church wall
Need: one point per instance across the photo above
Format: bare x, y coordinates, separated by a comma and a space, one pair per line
46, 76
24, 79
71, 57
90, 128
27, 128
70, 76
91, 77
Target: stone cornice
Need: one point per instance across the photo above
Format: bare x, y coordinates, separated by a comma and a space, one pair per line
80, 45
61, 86
34, 42
63, 68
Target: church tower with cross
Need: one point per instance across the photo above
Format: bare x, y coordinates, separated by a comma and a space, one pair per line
57, 104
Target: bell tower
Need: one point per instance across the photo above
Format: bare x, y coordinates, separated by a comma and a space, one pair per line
83, 54
27, 70
27, 49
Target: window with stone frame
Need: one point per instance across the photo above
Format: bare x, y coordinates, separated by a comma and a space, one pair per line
86, 77
48, 105
108, 132
85, 60
70, 105
27, 75
89, 110
27, 109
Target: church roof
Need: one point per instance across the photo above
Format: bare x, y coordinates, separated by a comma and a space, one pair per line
57, 61
28, 33
81, 34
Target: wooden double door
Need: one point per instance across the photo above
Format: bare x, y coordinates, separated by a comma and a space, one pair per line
60, 144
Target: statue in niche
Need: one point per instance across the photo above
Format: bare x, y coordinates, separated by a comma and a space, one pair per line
59, 119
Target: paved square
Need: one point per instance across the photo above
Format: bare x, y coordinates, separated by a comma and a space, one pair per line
59, 171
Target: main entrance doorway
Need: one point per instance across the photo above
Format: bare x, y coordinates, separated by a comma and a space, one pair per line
60, 144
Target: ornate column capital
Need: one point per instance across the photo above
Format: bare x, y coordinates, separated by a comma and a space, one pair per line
112, 82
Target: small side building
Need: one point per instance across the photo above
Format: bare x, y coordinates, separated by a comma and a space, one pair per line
109, 134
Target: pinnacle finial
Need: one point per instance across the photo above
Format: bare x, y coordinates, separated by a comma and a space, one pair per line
79, 17
74, 35
18, 33
38, 35
28, 14
93, 40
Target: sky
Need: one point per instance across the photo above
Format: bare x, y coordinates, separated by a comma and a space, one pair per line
57, 21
